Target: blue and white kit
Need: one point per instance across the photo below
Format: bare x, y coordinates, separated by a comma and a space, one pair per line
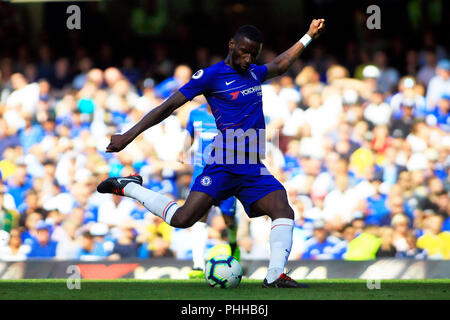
234, 167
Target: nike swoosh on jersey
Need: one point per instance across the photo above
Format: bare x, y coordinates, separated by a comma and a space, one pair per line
228, 83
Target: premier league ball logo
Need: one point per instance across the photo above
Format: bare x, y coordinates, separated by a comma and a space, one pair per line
206, 181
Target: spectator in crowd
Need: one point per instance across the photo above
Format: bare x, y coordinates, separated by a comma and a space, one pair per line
15, 250
433, 241
181, 76
68, 245
389, 76
400, 128
442, 202
348, 234
42, 246
253, 235
84, 66
387, 248
340, 203
31, 204
377, 112
428, 70
377, 211
365, 246
61, 76
321, 245
440, 84
9, 218
408, 90
404, 239
158, 232
126, 245
8, 138
116, 211
440, 114
90, 249
148, 100
413, 252
358, 223
161, 248
344, 145
303, 228
19, 183
29, 228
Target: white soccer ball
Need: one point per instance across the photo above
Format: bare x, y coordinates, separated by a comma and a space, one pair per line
223, 271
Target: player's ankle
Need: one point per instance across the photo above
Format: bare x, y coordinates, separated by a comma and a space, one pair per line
273, 274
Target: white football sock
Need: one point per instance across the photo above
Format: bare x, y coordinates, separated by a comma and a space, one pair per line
199, 237
158, 204
280, 247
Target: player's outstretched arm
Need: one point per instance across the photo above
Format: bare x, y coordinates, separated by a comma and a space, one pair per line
158, 114
283, 62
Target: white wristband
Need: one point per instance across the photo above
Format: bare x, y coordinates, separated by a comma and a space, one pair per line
305, 40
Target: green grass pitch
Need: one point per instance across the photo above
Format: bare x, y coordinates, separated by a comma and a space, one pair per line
339, 289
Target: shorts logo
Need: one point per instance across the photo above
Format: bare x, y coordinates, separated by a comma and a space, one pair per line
198, 74
206, 181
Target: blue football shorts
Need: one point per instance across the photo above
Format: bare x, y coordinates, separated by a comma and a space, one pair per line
227, 206
247, 182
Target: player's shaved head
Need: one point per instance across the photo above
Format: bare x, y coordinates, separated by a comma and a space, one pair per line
244, 48
250, 32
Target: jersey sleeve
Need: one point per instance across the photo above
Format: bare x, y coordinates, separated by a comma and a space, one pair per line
199, 84
261, 72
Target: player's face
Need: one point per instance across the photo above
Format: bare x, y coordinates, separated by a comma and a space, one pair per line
243, 53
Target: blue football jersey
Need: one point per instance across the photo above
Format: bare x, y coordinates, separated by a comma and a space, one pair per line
236, 103
202, 128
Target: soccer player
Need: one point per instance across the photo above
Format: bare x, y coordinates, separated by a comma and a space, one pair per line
201, 130
233, 90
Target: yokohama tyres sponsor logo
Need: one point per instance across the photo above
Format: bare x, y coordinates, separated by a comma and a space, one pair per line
245, 92
234, 95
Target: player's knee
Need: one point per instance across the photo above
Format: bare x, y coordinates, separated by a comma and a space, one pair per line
283, 212
182, 219
288, 213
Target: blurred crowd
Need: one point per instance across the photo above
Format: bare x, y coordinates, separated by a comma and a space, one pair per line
364, 153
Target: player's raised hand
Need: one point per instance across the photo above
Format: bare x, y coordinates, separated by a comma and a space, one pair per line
316, 28
118, 143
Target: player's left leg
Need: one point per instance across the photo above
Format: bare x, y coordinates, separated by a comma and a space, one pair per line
261, 194
276, 206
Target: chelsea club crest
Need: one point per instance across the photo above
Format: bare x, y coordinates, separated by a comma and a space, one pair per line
206, 181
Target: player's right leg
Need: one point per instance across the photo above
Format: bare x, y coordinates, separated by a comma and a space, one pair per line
197, 203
